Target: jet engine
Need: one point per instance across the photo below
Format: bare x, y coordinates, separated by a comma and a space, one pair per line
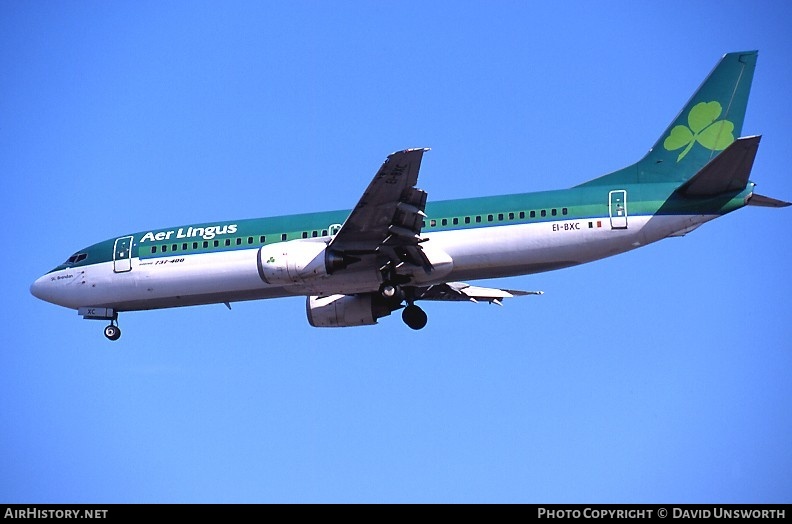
346, 310
291, 262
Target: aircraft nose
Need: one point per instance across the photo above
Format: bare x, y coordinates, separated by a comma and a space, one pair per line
43, 290
37, 288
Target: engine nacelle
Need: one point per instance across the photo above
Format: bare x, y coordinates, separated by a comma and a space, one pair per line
291, 262
346, 310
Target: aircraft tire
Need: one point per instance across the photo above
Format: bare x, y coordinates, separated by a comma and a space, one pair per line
414, 317
388, 291
112, 332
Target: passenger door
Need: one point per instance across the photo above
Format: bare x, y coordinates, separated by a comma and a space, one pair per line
122, 255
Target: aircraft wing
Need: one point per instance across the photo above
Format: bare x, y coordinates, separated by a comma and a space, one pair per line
389, 216
463, 292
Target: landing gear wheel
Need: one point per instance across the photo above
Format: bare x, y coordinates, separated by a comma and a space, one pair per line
414, 317
388, 291
112, 332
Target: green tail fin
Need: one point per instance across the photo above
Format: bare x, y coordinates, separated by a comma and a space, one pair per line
710, 121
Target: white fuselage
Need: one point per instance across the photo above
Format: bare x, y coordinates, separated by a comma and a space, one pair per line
231, 276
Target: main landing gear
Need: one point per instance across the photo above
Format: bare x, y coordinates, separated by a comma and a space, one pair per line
412, 315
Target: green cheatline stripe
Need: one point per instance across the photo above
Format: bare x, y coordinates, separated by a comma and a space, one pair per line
582, 203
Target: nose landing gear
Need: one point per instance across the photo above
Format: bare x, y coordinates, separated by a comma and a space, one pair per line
112, 332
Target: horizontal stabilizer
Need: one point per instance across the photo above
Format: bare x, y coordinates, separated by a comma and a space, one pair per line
729, 171
763, 201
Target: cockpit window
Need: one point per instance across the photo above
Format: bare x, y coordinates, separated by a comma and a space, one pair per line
77, 258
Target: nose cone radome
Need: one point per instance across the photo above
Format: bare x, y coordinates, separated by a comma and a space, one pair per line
37, 288
44, 289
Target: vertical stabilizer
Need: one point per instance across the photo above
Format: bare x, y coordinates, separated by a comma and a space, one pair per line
710, 121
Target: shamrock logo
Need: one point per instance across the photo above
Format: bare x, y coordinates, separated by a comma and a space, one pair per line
703, 127
271, 260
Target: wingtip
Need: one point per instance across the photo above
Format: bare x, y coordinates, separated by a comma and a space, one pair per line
750, 52
520, 293
411, 150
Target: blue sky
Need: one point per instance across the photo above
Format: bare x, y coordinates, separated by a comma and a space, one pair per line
658, 375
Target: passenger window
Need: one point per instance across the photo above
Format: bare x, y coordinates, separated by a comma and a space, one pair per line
262, 239
445, 221
554, 212
432, 223
195, 245
305, 234
490, 218
467, 220
205, 244
533, 214
500, 216
175, 247
324, 233
164, 248
283, 237
511, 216
239, 241
522, 215
544, 213
216, 243
153, 249
228, 242
478, 219
250, 240
314, 234
455, 221
564, 211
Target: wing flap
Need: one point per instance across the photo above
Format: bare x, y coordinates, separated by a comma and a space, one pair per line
391, 207
388, 218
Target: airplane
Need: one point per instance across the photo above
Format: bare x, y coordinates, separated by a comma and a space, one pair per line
394, 249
